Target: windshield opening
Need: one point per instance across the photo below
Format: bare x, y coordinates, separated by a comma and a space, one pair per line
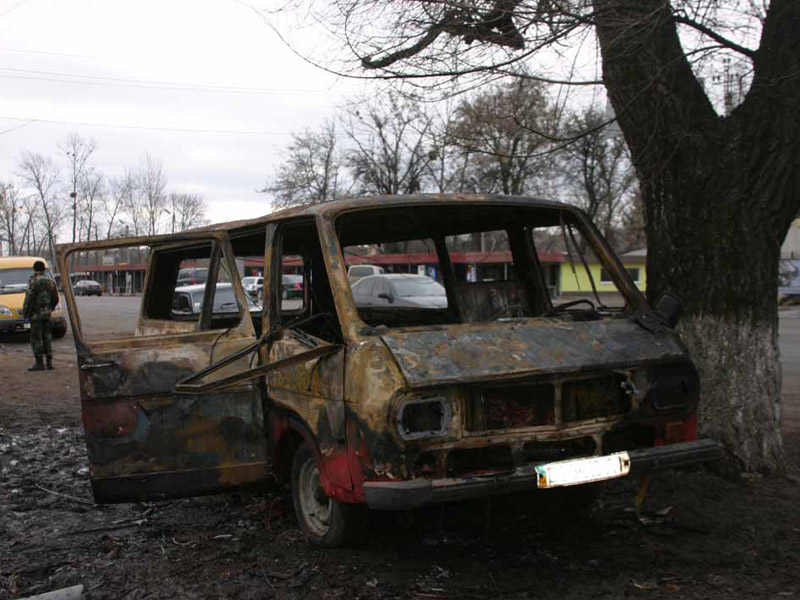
14, 281
477, 264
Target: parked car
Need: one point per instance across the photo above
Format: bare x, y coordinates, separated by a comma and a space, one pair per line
291, 286
15, 272
384, 407
400, 291
187, 300
192, 276
254, 286
88, 287
356, 272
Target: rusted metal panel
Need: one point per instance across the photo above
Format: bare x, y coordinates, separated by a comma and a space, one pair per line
479, 352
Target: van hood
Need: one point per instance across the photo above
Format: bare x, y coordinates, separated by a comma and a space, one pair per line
13, 298
488, 351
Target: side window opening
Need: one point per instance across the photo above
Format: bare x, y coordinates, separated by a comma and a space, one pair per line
179, 282
303, 286
172, 271
248, 251
487, 283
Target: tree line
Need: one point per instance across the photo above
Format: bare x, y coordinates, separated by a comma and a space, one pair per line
507, 138
66, 198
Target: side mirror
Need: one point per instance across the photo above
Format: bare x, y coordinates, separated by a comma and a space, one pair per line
386, 296
670, 308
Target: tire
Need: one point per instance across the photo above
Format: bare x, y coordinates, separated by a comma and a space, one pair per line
324, 521
59, 332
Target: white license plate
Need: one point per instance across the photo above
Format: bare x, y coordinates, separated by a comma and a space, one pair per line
583, 470
26, 325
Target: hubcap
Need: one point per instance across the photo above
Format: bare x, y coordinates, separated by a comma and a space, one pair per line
316, 506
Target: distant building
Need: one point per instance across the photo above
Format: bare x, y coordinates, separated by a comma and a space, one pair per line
576, 281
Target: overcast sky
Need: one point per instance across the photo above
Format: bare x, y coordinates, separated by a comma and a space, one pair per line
129, 74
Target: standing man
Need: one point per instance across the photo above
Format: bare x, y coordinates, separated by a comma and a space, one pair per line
40, 300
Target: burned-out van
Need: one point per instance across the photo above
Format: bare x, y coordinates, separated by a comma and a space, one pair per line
498, 389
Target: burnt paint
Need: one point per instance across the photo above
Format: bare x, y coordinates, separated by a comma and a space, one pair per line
495, 351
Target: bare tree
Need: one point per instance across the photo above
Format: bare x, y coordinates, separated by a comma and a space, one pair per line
388, 138
448, 167
500, 129
42, 175
91, 191
597, 173
187, 211
11, 216
151, 200
311, 172
115, 200
78, 152
719, 190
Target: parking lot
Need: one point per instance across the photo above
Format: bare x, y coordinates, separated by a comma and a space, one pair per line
699, 536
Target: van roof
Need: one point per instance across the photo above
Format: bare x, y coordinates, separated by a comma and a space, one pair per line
332, 209
20, 262
369, 202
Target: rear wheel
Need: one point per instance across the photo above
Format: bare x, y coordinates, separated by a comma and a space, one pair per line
59, 331
324, 521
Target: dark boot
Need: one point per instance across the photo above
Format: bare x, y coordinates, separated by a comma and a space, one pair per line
39, 366
50, 363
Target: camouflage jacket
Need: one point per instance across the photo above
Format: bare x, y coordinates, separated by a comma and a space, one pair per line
41, 298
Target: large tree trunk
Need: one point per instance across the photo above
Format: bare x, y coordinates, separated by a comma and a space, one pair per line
719, 195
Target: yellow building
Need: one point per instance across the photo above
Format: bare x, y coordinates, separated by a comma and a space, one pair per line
577, 281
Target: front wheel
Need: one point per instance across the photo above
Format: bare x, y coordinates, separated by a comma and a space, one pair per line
324, 521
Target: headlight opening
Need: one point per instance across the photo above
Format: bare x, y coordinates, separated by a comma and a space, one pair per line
424, 418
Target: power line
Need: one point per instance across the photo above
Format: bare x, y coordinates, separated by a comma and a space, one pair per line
97, 80
48, 53
148, 128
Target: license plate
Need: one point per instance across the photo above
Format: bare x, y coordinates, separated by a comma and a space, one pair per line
583, 470
26, 325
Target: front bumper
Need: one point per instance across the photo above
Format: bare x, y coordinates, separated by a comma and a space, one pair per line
11, 325
21, 325
401, 495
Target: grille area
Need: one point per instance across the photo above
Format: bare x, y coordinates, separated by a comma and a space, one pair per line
594, 398
510, 407
558, 450
465, 461
491, 408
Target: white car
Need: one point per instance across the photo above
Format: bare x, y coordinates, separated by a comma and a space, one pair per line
356, 272
253, 286
400, 291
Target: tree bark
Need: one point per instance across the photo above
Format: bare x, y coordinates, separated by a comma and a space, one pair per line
720, 194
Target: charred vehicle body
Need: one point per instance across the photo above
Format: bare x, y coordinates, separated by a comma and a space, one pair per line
389, 407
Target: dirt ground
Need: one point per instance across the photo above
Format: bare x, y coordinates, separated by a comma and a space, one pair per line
700, 536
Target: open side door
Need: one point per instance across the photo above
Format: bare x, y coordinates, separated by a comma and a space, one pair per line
144, 439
